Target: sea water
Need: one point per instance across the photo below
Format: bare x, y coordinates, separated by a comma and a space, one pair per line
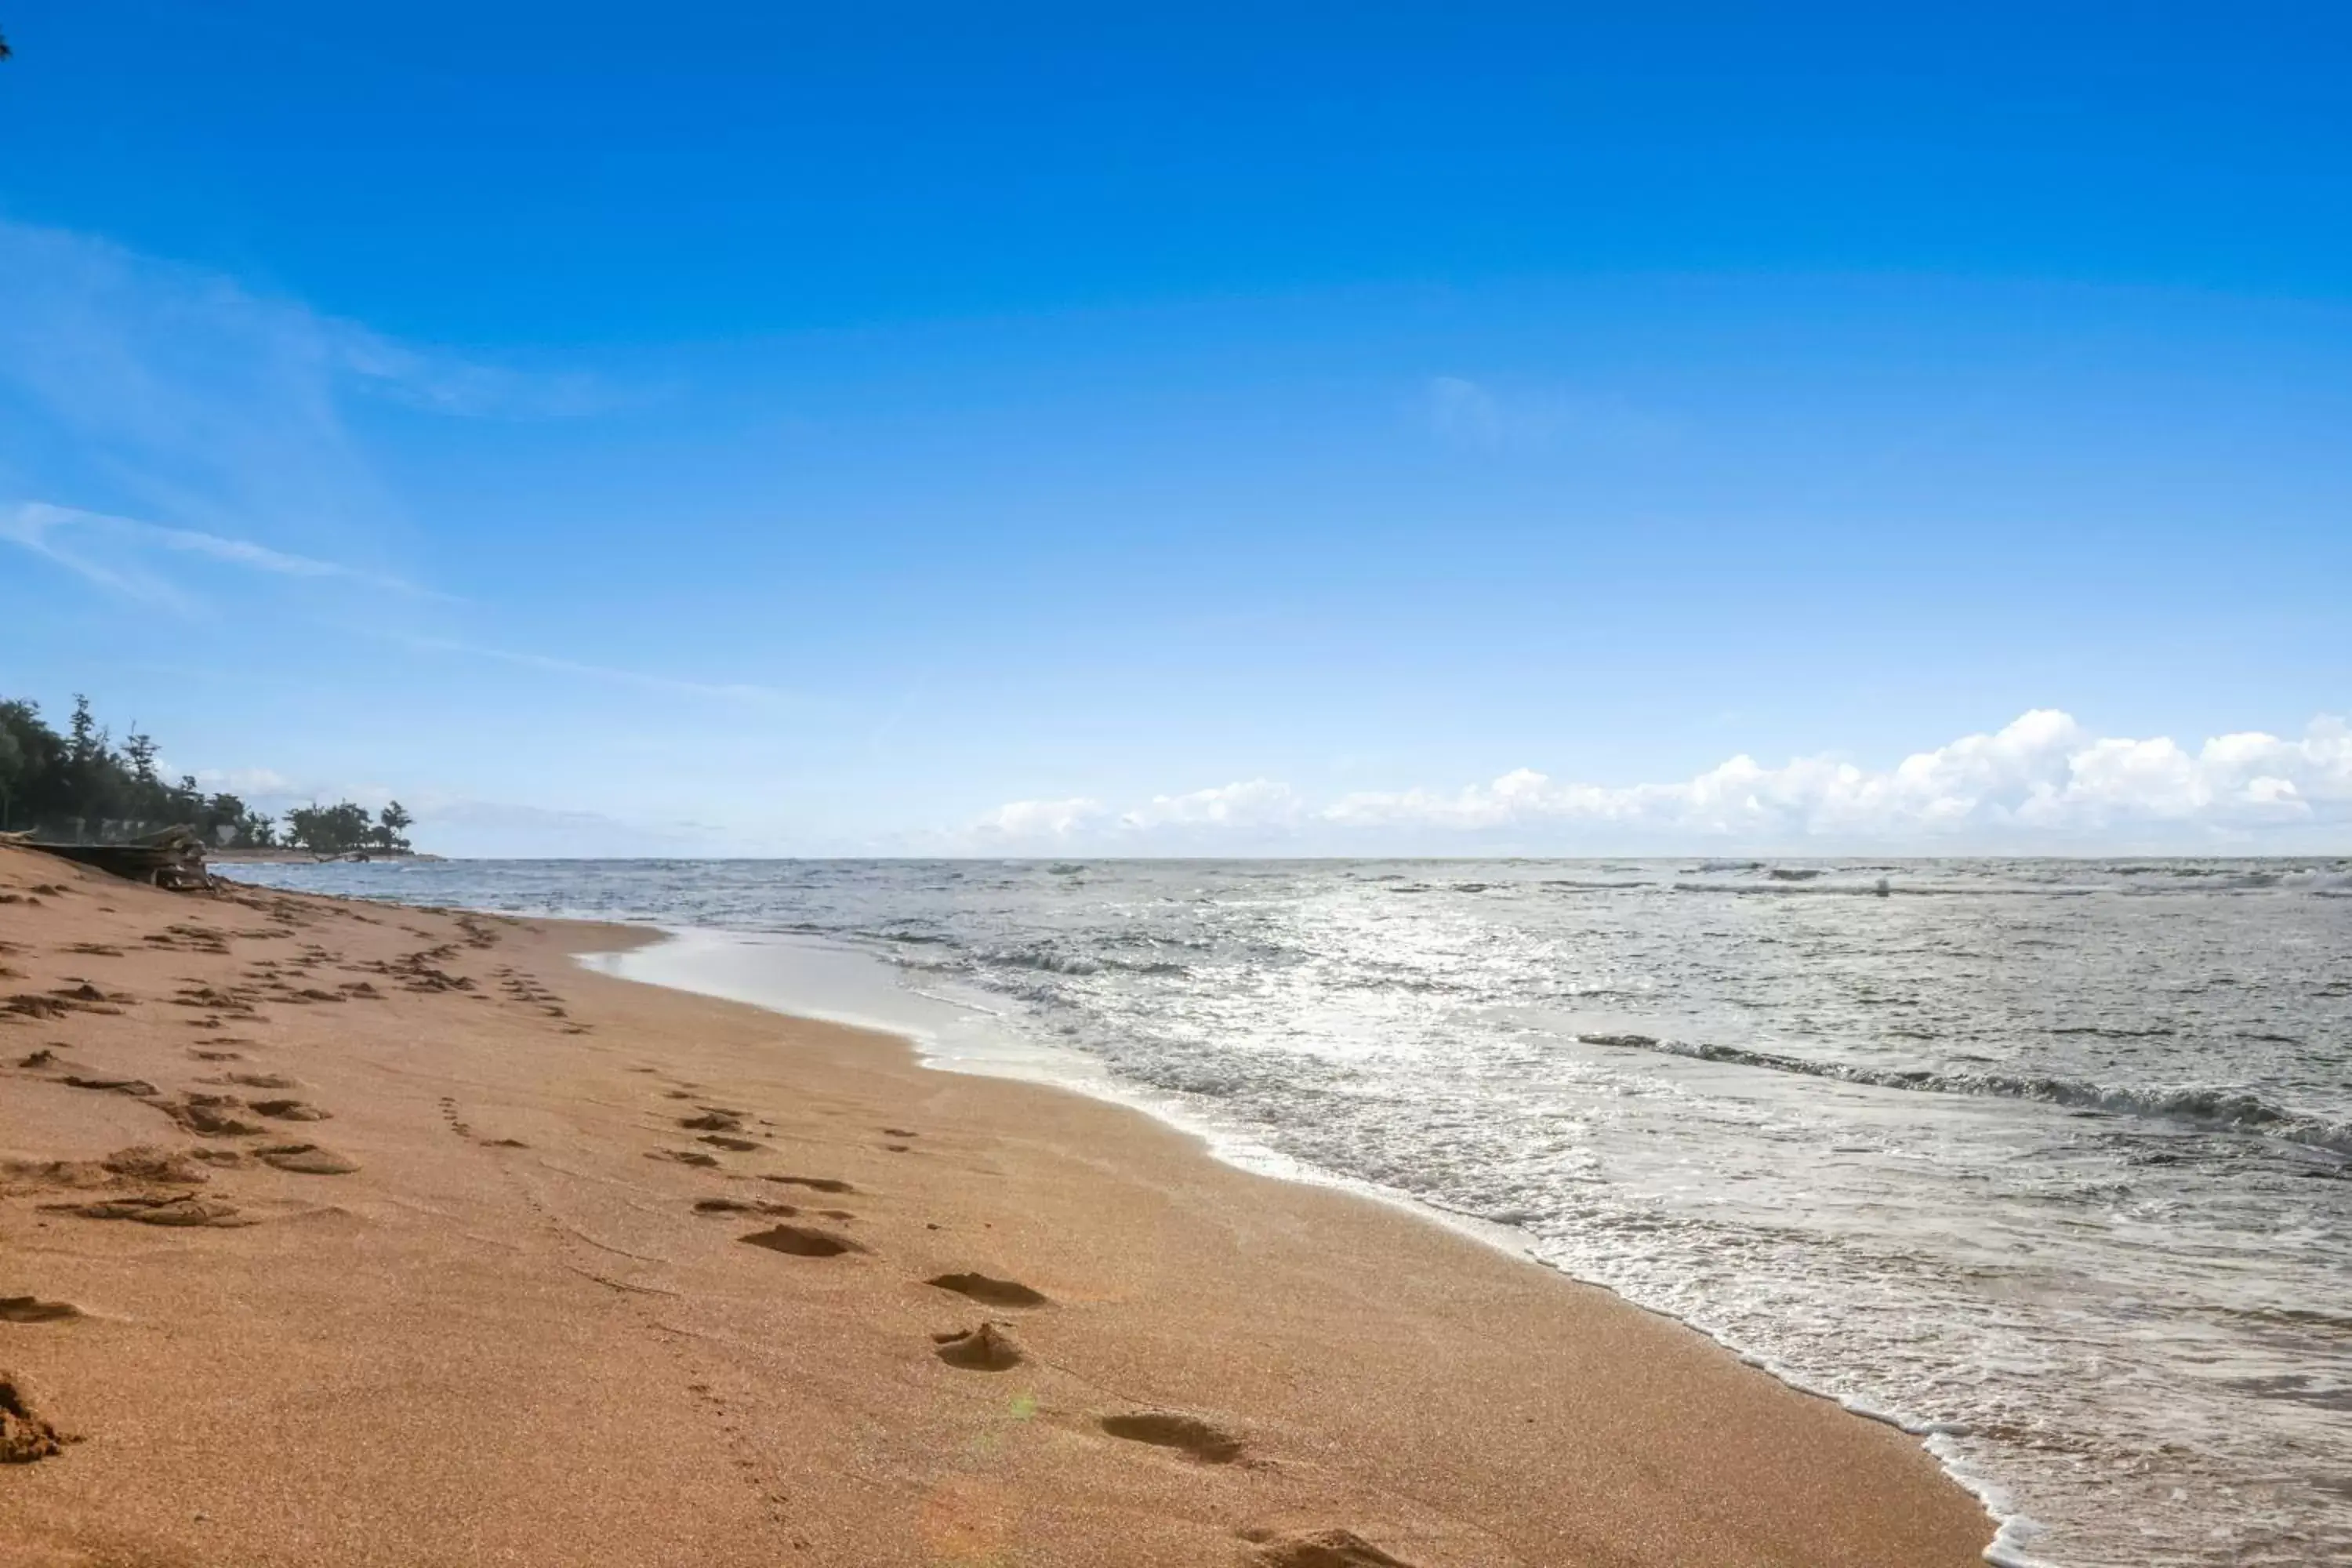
2048, 1161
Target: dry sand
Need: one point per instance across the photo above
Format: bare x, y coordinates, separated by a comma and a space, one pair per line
348, 1234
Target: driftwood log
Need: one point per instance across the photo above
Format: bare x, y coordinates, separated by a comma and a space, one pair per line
173, 859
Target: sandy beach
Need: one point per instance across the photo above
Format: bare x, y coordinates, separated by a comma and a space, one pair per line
334, 1233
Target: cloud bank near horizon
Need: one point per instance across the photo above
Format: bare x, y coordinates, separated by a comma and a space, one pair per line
2041, 782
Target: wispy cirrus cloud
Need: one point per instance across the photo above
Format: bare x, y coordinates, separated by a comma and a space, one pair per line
117, 553
643, 681
141, 387
204, 424
443, 383
2040, 782
1477, 417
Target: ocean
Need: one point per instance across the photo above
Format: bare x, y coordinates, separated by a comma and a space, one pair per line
2048, 1161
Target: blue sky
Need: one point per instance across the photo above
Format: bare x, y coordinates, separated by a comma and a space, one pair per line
768, 428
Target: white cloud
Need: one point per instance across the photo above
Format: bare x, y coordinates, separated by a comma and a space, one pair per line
2042, 781
1253, 808
1032, 820
1469, 413
1464, 411
112, 552
1257, 802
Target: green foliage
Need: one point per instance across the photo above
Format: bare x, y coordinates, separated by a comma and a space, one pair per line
390, 824
335, 829
80, 786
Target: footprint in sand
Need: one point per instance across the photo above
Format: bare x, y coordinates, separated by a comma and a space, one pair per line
802, 1241
33, 1310
309, 1159
994, 1292
683, 1156
747, 1206
208, 1116
1187, 1435
814, 1184
137, 1087
157, 1208
722, 1140
289, 1109
142, 1163
26, 1434
984, 1349
1316, 1549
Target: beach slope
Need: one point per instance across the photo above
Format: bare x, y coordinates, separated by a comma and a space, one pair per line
334, 1233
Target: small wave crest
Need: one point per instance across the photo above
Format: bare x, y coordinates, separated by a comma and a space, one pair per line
1048, 961
2230, 1109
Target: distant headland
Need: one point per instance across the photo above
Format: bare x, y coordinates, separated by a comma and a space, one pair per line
81, 786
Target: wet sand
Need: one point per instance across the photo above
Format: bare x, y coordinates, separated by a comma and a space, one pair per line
334, 1233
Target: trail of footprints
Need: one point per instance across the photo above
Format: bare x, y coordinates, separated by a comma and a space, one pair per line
144, 1183
988, 1347
150, 1186
147, 1185
634, 1300
524, 989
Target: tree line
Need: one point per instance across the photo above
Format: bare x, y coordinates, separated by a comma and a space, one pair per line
82, 785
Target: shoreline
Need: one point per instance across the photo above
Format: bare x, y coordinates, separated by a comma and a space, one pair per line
637, 965
1227, 1368
284, 857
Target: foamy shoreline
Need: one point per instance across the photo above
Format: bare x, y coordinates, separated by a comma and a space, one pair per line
694, 958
